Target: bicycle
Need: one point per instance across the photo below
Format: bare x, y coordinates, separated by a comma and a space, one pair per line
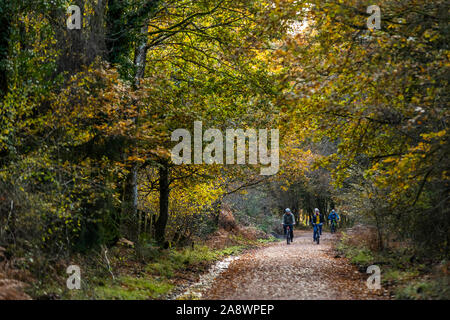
333, 226
316, 233
289, 235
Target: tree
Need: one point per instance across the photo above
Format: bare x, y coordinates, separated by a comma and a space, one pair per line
381, 95
199, 44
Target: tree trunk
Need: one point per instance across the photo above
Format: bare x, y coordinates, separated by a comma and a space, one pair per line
131, 187
5, 22
379, 230
130, 203
118, 46
161, 223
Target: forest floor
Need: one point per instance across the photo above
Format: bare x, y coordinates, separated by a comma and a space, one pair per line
301, 270
239, 269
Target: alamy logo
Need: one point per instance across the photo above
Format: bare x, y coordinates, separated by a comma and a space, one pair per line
374, 21
213, 152
374, 281
74, 21
74, 280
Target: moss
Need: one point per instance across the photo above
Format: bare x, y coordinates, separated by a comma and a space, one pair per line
129, 288
269, 240
425, 290
233, 250
162, 268
362, 257
398, 275
198, 255
179, 260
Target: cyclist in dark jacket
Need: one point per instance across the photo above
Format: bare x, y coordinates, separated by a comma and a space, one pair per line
288, 220
322, 221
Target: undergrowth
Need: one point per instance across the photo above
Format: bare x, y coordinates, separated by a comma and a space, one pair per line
147, 273
405, 275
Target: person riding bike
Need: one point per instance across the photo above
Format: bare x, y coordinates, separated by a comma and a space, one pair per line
288, 220
333, 217
322, 221
316, 221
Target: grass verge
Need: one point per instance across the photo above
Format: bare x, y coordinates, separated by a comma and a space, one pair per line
139, 274
402, 273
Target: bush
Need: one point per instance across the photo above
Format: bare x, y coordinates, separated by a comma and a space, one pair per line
362, 257
437, 289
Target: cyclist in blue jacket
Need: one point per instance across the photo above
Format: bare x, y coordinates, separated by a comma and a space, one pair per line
333, 217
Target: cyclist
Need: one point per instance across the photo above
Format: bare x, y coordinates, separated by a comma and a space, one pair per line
322, 221
333, 217
288, 220
316, 221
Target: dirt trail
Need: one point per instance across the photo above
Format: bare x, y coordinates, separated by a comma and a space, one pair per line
301, 270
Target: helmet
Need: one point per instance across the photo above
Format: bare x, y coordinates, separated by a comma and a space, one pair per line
316, 210
287, 210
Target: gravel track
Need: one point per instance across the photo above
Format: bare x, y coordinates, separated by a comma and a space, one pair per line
302, 270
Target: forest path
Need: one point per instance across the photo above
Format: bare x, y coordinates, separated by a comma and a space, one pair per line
299, 271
